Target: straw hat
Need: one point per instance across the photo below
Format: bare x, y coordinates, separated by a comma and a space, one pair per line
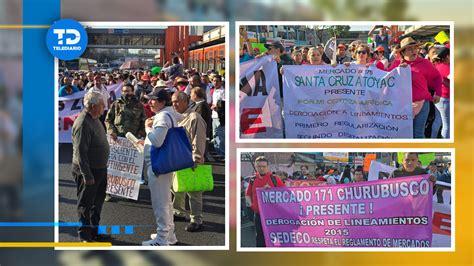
182, 80
161, 84
407, 42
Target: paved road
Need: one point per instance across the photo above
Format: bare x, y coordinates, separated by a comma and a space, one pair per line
128, 212
247, 228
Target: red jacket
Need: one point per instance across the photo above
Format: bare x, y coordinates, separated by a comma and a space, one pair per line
261, 182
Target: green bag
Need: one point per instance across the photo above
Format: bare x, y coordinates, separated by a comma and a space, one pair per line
200, 179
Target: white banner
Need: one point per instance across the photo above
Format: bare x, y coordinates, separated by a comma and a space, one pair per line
260, 102
330, 49
124, 169
282, 168
347, 102
70, 107
376, 168
441, 225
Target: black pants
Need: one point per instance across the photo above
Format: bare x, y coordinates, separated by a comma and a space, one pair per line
90, 200
260, 239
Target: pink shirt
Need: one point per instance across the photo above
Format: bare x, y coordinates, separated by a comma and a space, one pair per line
424, 76
444, 70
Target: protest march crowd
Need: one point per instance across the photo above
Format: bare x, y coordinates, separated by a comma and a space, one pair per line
429, 63
145, 108
439, 175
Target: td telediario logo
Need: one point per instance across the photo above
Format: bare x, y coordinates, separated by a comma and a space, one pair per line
66, 39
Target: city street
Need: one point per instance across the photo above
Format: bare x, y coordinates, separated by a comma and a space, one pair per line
247, 231
124, 212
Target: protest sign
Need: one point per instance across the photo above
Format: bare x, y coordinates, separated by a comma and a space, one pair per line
379, 170
303, 183
442, 37
347, 102
191, 180
122, 186
251, 36
124, 169
426, 158
385, 213
281, 167
330, 49
441, 225
359, 160
70, 106
260, 110
368, 160
260, 46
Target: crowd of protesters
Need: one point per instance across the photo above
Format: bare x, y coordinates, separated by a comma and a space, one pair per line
429, 64
350, 174
201, 88
151, 102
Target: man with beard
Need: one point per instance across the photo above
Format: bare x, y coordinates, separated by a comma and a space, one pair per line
126, 115
263, 179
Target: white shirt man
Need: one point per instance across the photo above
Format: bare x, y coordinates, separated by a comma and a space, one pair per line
100, 88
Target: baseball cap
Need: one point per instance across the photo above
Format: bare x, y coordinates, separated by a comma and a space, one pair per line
276, 44
162, 95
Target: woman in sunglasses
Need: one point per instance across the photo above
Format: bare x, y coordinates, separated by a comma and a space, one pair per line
362, 56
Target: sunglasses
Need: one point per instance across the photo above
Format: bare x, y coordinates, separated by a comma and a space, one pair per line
361, 52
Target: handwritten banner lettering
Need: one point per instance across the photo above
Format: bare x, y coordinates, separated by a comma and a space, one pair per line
124, 169
347, 102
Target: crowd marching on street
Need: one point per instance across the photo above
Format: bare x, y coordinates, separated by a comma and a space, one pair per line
329, 175
429, 62
151, 103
